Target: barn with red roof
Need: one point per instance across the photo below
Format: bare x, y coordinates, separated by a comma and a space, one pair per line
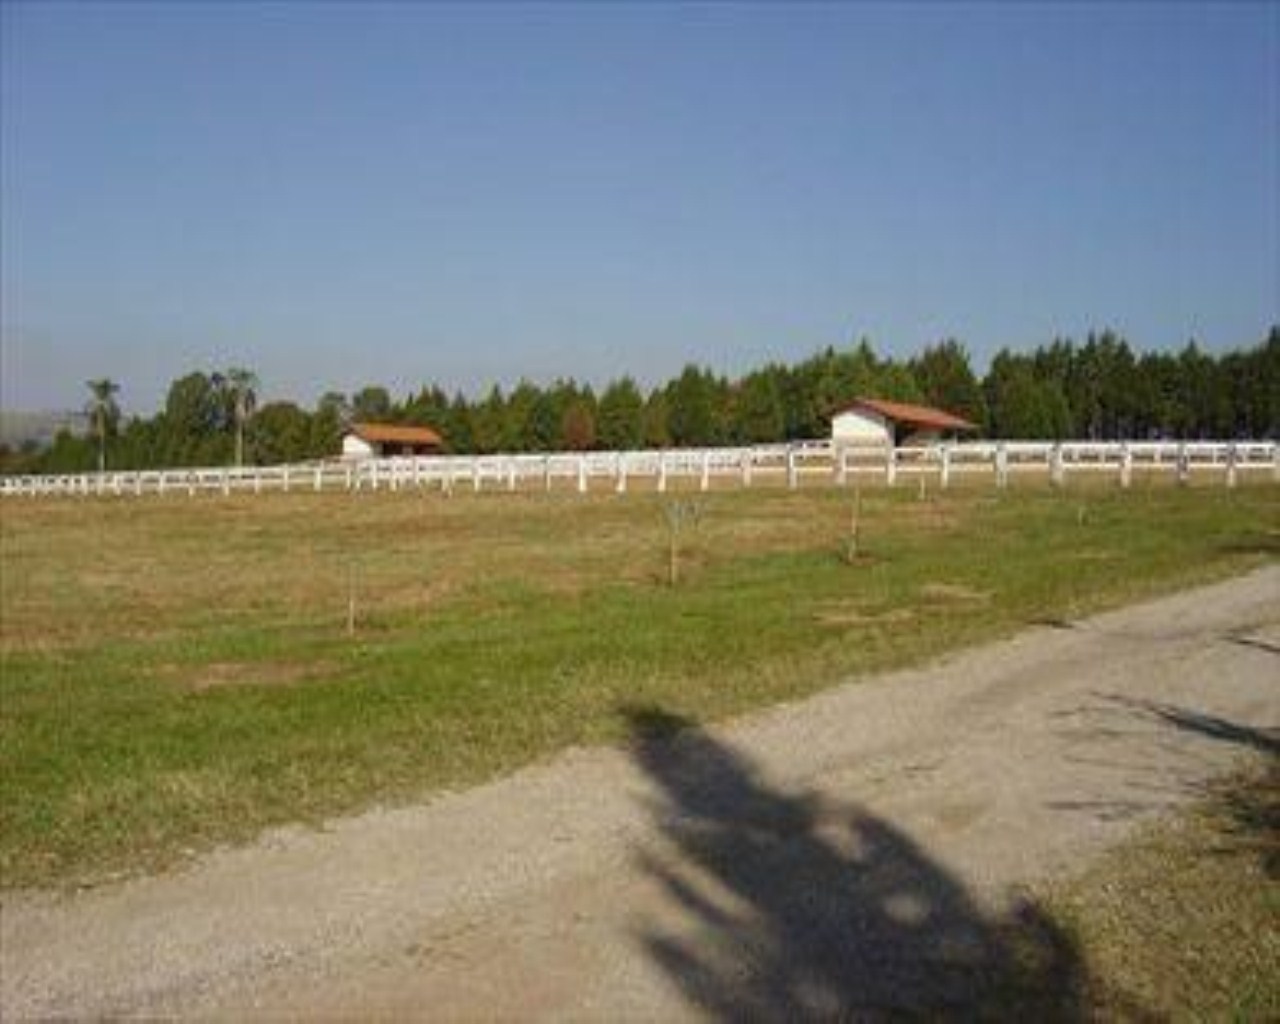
876, 421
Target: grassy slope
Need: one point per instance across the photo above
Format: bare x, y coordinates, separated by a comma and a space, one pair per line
176, 673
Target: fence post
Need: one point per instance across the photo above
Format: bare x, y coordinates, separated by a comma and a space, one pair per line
1057, 465
1002, 466
1126, 466
546, 472
944, 475
511, 473
662, 472
621, 467
1184, 465
705, 482
842, 467
1232, 465
791, 468
890, 465
226, 482
582, 474
745, 467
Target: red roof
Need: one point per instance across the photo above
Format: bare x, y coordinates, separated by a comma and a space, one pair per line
394, 433
911, 415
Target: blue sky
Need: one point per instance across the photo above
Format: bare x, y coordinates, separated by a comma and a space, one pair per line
398, 193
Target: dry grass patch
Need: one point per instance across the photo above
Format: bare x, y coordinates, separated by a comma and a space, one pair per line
953, 593
221, 674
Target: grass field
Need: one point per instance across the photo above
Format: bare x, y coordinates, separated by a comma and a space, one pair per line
1180, 922
178, 672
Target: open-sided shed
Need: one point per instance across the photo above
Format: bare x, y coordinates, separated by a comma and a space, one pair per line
370, 440
876, 421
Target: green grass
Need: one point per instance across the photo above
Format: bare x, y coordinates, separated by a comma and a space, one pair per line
176, 673
1183, 921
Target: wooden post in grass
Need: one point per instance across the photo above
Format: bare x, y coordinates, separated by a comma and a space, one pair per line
662, 472
705, 482
226, 482
351, 599
622, 473
745, 467
1232, 466
475, 475
944, 474
1183, 465
1002, 466
1126, 466
678, 513
582, 474
791, 469
546, 472
890, 465
511, 473
855, 513
1057, 465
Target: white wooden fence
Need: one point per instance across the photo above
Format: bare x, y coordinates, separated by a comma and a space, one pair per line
998, 461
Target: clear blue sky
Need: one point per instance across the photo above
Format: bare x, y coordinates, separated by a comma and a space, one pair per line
341, 194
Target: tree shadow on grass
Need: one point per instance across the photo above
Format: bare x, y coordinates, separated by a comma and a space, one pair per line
791, 908
1252, 803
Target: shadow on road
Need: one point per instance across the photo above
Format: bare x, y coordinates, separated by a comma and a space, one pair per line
788, 907
1210, 726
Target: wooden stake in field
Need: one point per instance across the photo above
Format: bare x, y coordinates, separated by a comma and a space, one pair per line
351, 599
851, 542
678, 513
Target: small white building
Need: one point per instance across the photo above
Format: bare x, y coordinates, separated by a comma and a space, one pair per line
872, 422
372, 440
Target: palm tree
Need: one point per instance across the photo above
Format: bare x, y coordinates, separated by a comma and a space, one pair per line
243, 388
103, 411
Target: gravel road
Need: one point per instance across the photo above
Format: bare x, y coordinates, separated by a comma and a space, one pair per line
866, 849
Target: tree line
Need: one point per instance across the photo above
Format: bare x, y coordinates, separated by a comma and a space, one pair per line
1099, 389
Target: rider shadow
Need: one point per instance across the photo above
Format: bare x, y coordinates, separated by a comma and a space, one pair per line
786, 907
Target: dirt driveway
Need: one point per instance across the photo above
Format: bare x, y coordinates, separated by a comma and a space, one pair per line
864, 849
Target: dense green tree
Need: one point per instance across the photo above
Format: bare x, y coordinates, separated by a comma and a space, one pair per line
578, 425
691, 415
280, 432
1023, 405
657, 432
947, 381
193, 407
371, 404
620, 423
759, 412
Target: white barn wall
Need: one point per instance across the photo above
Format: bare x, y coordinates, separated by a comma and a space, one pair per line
861, 427
354, 447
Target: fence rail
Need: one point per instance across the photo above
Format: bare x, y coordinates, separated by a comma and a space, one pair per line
620, 471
